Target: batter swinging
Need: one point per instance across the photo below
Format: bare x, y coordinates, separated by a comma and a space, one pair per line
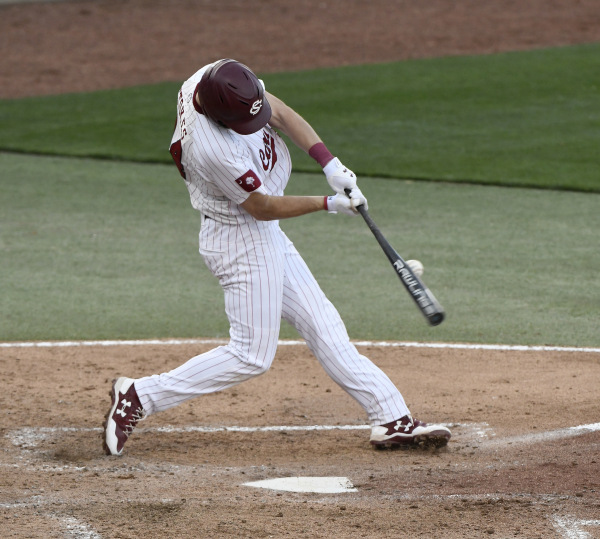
236, 167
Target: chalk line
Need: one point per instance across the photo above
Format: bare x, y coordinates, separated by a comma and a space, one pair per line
30, 437
548, 436
77, 528
571, 528
384, 344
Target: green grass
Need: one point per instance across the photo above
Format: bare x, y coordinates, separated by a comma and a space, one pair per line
97, 249
521, 119
107, 248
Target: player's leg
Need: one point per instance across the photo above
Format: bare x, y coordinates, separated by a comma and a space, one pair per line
252, 281
251, 275
307, 308
317, 320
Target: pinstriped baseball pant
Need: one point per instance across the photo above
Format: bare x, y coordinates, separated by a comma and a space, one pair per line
265, 280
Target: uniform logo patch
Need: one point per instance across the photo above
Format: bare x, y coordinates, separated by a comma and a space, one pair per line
249, 182
256, 106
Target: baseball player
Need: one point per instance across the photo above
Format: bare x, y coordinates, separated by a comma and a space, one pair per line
228, 150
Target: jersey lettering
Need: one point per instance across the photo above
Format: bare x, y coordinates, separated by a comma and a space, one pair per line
268, 155
180, 111
249, 182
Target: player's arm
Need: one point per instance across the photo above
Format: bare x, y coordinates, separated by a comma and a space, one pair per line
268, 208
301, 133
265, 207
290, 123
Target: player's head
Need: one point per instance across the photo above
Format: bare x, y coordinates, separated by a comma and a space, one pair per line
232, 96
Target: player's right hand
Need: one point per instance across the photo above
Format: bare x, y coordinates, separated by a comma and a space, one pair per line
338, 176
358, 199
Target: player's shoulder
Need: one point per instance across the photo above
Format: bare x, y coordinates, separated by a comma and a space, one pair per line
198, 74
216, 144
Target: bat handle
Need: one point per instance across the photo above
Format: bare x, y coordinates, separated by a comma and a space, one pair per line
361, 208
363, 211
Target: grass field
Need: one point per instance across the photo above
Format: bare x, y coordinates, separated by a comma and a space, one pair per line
105, 248
97, 249
523, 119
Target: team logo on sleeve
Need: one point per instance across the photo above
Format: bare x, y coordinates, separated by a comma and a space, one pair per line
249, 182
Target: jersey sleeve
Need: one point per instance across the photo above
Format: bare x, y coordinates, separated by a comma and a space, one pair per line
228, 165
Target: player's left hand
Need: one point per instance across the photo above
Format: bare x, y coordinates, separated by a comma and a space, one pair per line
339, 177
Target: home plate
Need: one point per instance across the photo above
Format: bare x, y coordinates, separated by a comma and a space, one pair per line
321, 485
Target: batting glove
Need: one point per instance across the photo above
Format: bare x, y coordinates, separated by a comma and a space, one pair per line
338, 176
358, 199
343, 204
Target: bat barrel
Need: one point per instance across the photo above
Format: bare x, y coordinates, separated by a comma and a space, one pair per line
417, 290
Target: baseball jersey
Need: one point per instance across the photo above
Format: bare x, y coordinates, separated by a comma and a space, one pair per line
220, 167
264, 278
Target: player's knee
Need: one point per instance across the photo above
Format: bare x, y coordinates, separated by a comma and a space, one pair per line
259, 368
257, 354
258, 363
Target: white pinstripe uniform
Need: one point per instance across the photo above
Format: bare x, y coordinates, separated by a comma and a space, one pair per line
263, 276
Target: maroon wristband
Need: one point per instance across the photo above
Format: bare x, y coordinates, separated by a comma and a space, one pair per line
325, 203
320, 154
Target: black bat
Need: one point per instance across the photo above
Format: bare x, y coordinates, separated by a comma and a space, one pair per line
418, 291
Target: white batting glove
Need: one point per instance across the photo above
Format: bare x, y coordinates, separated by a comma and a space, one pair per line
338, 176
358, 198
341, 203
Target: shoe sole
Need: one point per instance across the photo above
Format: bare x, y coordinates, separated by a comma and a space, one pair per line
432, 440
110, 412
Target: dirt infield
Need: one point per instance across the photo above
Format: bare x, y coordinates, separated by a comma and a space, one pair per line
515, 466
88, 45
524, 460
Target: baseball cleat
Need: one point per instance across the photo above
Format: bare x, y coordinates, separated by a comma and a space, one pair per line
123, 416
406, 432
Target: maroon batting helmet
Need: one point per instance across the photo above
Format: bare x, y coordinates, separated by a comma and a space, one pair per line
232, 96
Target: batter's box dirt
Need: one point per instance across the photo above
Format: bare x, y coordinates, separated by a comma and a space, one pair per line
514, 466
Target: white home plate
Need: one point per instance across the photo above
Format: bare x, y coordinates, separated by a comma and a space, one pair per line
321, 485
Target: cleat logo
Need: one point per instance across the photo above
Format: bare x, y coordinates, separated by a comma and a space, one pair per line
406, 427
126, 404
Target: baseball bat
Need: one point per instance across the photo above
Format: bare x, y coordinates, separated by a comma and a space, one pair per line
416, 288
